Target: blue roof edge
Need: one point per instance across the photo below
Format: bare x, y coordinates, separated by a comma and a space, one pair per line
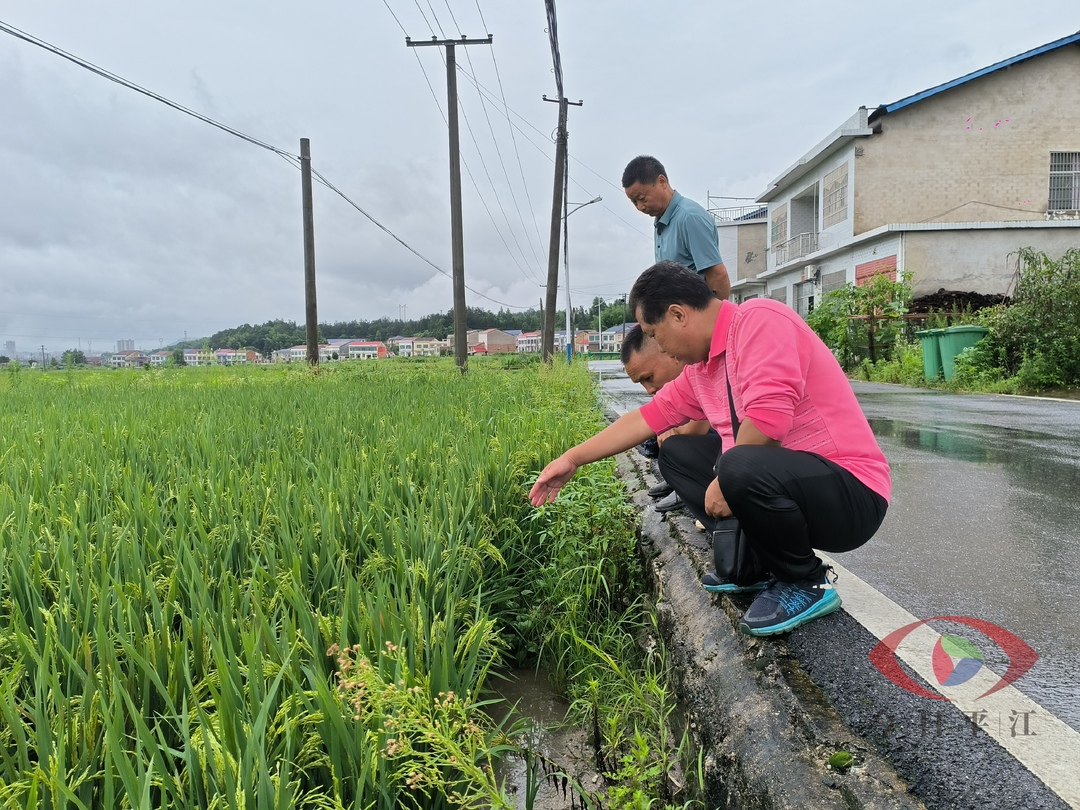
1013, 60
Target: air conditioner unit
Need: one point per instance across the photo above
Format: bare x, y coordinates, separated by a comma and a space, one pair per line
811, 272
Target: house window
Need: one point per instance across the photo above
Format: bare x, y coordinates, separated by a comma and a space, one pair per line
834, 201
1064, 181
804, 298
779, 225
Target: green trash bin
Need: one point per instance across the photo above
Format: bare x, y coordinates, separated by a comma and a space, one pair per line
953, 341
931, 352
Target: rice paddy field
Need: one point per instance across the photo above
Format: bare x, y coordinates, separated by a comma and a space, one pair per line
268, 587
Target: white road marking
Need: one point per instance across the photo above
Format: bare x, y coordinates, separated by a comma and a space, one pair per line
1042, 743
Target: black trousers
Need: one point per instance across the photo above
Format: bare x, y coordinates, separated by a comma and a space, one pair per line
788, 502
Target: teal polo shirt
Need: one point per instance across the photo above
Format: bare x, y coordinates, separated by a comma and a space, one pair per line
686, 233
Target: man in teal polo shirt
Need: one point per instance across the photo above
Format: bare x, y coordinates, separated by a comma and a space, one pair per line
685, 232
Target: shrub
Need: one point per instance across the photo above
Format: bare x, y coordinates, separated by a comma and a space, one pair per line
1034, 342
863, 322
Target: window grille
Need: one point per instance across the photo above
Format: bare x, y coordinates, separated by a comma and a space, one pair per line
779, 224
1064, 181
804, 298
834, 200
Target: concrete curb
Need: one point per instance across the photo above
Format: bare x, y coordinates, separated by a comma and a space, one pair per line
765, 729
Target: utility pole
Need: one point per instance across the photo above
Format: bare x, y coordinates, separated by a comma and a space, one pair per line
556, 223
43, 357
311, 309
461, 351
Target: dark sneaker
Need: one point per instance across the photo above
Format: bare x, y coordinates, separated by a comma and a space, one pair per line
650, 448
714, 584
660, 490
670, 503
783, 606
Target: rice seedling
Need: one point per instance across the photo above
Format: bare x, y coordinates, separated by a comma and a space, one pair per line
180, 549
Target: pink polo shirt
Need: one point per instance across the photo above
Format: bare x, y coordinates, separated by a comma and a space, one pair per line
785, 380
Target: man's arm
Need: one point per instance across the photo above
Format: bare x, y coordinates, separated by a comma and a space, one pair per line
718, 280
625, 432
698, 427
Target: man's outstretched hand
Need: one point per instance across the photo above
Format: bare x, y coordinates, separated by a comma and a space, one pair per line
551, 480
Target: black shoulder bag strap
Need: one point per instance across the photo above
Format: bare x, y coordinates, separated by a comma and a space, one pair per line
731, 403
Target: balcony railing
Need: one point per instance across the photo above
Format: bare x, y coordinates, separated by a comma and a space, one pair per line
795, 248
742, 213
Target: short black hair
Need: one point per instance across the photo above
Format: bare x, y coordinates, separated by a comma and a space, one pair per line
633, 342
664, 284
643, 169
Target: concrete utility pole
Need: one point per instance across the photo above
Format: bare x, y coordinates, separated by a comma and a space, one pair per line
311, 310
461, 351
556, 223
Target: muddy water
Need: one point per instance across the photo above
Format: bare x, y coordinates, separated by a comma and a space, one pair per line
562, 746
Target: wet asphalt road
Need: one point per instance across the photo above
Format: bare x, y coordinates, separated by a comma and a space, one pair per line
984, 520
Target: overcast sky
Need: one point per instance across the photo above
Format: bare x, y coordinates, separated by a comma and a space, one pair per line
123, 218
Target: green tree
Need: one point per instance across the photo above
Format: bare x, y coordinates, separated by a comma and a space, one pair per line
177, 358
859, 322
74, 357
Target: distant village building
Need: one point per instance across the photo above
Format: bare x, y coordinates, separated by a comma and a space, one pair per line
611, 339
363, 350
488, 341
528, 342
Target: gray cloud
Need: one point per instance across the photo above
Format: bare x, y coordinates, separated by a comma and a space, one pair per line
121, 218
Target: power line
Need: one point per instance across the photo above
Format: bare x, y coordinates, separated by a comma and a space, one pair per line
15, 32
403, 243
468, 171
502, 163
286, 155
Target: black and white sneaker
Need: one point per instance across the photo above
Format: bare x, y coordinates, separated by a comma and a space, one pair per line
715, 584
783, 606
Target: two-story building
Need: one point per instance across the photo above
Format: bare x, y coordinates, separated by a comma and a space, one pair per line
236, 357
742, 233
129, 359
488, 341
428, 347
362, 350
528, 342
611, 339
198, 357
945, 184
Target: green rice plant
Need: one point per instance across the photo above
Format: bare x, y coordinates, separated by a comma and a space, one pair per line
180, 547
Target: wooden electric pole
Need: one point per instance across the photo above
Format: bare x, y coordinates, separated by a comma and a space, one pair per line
311, 310
556, 226
461, 350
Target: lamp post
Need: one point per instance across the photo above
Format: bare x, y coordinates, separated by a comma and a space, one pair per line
566, 267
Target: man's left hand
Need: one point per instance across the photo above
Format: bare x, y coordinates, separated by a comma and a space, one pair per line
715, 504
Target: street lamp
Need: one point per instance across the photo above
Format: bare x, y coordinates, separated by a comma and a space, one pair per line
566, 267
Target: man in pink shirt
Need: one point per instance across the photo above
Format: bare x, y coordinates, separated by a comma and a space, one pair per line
802, 470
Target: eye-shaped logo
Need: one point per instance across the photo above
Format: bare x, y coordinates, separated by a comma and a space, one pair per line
955, 659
